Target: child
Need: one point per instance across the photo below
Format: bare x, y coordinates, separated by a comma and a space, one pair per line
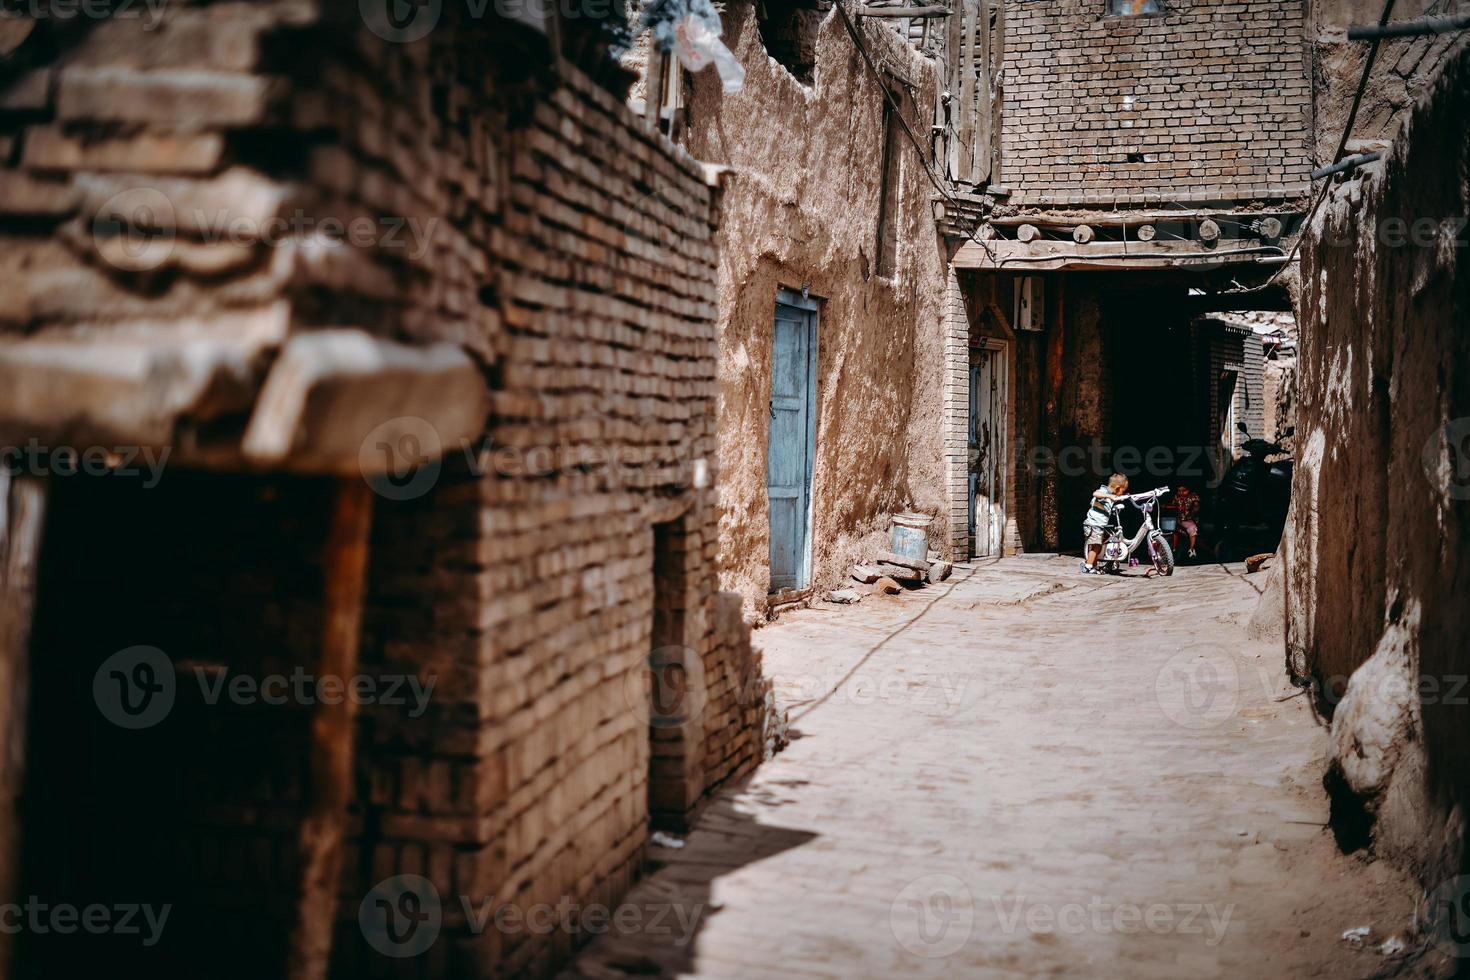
1188, 504
1099, 516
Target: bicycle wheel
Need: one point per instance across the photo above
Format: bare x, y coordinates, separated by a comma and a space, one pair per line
1162, 555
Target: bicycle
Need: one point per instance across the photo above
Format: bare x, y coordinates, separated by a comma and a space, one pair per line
1117, 550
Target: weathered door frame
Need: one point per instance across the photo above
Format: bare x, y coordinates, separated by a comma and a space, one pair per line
808, 306
1000, 440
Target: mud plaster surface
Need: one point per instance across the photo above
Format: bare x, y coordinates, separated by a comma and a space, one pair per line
1381, 513
801, 209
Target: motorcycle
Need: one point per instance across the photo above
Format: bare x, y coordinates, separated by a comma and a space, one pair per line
1252, 501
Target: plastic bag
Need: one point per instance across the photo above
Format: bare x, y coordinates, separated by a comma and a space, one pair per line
691, 29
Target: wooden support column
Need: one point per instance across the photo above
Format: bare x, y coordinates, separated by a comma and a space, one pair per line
654, 84
1051, 413
980, 147
965, 128
329, 787
22, 514
997, 92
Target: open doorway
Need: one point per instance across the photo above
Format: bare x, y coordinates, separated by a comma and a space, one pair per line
988, 446
676, 686
152, 785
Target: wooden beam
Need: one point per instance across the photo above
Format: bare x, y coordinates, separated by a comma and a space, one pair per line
329, 390
1038, 256
1100, 219
915, 13
329, 755
22, 515
997, 92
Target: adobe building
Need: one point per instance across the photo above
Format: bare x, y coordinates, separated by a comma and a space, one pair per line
1374, 576
1140, 167
421, 331
928, 280
831, 293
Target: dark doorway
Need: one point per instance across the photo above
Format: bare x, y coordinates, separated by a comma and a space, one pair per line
676, 685
170, 796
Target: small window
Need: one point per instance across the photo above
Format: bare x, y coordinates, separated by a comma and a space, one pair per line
1134, 8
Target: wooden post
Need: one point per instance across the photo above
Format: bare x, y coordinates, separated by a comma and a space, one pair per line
1051, 413
997, 91
654, 85
22, 514
954, 36
980, 149
966, 127
329, 755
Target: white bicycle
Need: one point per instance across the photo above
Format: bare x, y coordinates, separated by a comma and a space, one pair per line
1117, 550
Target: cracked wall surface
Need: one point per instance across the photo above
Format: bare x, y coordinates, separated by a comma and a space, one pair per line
801, 210
1374, 570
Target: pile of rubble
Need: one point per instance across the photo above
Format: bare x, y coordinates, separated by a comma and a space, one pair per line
890, 573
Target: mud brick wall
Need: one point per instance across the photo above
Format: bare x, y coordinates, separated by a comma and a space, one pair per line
1377, 623
802, 210
541, 228
1214, 94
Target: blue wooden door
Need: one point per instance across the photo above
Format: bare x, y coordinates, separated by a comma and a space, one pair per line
792, 436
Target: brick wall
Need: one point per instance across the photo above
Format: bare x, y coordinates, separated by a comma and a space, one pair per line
540, 228
1214, 93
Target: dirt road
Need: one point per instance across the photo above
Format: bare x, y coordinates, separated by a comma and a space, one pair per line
1023, 772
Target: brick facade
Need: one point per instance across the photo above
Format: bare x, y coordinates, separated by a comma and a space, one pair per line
540, 228
1213, 93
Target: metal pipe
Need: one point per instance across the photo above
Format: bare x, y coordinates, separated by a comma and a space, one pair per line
1346, 163
1409, 28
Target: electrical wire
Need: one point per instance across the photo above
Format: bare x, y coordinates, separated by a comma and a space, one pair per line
857, 40
1347, 131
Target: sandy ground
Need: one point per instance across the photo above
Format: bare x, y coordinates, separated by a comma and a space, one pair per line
1024, 772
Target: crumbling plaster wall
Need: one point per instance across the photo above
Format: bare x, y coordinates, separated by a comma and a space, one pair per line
1403, 71
801, 209
1374, 570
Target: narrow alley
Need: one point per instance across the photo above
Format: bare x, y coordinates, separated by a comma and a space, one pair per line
607, 488
1027, 774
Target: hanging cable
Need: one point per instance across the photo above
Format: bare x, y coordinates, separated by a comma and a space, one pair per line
1347, 131
857, 40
